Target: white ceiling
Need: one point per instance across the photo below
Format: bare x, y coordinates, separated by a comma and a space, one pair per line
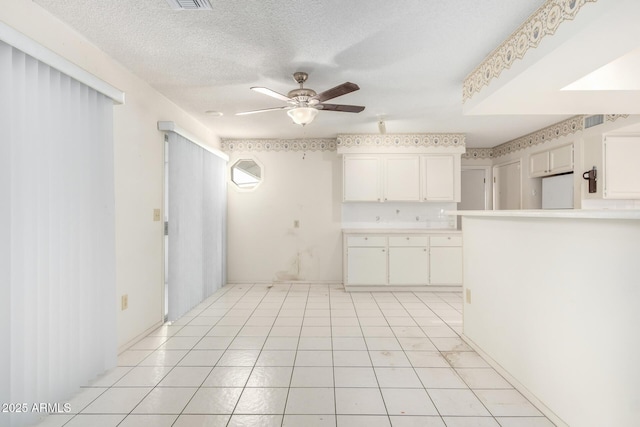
409, 58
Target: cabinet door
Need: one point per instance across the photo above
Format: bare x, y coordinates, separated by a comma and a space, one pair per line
408, 266
621, 171
539, 164
366, 266
361, 178
445, 265
402, 178
561, 159
438, 178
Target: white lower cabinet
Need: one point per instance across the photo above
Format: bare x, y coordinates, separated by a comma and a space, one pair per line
367, 257
445, 260
445, 266
407, 260
367, 266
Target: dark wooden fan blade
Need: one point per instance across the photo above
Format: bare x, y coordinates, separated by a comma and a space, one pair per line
272, 93
244, 113
342, 108
337, 91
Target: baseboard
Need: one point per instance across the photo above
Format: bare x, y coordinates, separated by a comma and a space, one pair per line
124, 347
387, 288
516, 384
286, 282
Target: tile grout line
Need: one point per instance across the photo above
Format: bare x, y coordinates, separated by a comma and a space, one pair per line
286, 400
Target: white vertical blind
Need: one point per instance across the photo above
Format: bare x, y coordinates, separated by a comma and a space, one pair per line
57, 232
197, 224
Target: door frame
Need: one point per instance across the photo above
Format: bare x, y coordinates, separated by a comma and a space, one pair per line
499, 165
488, 179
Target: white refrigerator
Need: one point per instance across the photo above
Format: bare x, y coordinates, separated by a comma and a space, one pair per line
557, 192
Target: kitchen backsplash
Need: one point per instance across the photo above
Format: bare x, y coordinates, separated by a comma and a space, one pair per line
398, 215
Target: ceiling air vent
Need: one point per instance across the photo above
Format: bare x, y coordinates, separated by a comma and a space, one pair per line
189, 4
591, 121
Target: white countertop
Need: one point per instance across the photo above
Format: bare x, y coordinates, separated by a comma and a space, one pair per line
401, 230
554, 213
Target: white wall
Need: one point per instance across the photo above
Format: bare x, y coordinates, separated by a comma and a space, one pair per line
567, 332
263, 245
138, 147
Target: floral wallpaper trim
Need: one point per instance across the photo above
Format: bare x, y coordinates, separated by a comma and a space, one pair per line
563, 128
229, 145
402, 140
478, 153
543, 22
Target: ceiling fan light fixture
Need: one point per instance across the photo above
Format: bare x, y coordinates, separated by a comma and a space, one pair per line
302, 115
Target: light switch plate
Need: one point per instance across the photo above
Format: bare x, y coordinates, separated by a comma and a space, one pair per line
156, 214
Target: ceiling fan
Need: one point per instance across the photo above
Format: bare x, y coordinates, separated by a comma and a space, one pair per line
304, 103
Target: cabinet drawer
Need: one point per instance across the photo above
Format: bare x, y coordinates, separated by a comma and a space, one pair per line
446, 241
363, 241
409, 241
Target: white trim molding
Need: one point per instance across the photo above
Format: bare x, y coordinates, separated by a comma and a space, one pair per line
36, 50
167, 126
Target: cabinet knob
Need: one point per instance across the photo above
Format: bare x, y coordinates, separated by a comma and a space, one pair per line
383, 250
385, 199
407, 238
366, 238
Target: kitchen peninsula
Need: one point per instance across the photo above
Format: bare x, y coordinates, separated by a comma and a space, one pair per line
551, 300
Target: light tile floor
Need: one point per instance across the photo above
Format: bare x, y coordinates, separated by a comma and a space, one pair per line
304, 356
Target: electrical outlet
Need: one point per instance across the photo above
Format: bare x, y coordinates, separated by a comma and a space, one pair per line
124, 302
468, 295
156, 214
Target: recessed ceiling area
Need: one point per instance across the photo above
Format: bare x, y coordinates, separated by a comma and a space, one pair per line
409, 60
589, 66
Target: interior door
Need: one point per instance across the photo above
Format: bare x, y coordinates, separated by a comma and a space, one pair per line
473, 190
507, 186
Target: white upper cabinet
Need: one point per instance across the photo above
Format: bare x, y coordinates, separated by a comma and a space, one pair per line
440, 178
362, 176
621, 170
561, 159
402, 178
551, 162
539, 164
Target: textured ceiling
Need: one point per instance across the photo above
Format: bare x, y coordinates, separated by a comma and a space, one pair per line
409, 58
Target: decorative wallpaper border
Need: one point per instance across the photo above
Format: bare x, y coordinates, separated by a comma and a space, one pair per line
560, 129
229, 145
543, 22
557, 130
478, 153
402, 140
